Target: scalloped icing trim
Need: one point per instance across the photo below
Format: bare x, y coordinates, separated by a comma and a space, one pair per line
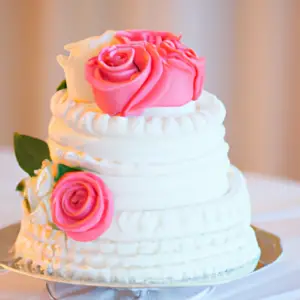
41, 236
124, 277
192, 259
88, 119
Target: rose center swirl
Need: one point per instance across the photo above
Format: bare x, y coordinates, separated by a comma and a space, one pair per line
115, 59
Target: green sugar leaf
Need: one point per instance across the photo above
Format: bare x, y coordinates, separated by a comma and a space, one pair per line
30, 152
27, 205
20, 186
62, 85
53, 226
63, 169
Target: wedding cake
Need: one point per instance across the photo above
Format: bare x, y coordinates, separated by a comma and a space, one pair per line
134, 183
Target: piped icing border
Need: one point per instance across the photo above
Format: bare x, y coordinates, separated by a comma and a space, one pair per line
38, 237
176, 261
88, 118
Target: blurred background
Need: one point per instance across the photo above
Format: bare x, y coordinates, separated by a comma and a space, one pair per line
251, 47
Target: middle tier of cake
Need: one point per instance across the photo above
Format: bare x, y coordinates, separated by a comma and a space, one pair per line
167, 158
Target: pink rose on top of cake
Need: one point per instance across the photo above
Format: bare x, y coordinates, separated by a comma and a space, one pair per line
174, 49
82, 206
128, 78
154, 37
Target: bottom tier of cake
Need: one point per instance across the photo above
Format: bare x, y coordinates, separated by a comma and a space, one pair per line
225, 243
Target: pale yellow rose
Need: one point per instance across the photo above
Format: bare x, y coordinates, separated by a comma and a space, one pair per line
74, 64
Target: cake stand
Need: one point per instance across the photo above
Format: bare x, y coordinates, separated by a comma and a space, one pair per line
60, 288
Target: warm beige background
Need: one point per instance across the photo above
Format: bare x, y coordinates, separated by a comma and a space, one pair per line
252, 50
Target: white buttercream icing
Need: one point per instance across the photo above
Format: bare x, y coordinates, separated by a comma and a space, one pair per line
86, 118
154, 244
44, 179
182, 147
181, 210
39, 187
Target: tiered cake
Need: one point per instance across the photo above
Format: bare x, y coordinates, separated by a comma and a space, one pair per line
134, 183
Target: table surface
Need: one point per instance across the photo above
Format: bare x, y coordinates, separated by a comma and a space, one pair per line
276, 208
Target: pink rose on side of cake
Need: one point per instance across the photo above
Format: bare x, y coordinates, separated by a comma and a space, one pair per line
154, 37
128, 78
82, 206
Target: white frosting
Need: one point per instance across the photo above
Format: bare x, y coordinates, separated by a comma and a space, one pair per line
170, 111
181, 210
192, 241
141, 159
39, 187
215, 158
87, 119
44, 179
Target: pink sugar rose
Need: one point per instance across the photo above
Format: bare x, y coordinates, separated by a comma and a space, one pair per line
128, 78
174, 49
154, 37
82, 206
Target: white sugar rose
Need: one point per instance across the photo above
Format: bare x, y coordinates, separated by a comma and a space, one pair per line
74, 64
44, 179
39, 187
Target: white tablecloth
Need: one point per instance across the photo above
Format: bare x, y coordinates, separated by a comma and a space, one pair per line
276, 208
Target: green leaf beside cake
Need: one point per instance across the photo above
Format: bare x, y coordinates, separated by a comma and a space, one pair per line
63, 169
30, 152
62, 85
20, 186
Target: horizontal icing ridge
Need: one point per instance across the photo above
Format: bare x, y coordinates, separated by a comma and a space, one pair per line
189, 262
143, 150
88, 119
233, 237
74, 157
186, 220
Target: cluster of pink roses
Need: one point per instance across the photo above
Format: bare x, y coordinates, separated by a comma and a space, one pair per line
146, 69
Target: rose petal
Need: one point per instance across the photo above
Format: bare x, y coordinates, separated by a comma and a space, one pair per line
59, 217
101, 227
111, 97
91, 184
145, 96
114, 70
61, 189
175, 49
155, 37
94, 215
199, 78
80, 225
108, 54
125, 75
79, 210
